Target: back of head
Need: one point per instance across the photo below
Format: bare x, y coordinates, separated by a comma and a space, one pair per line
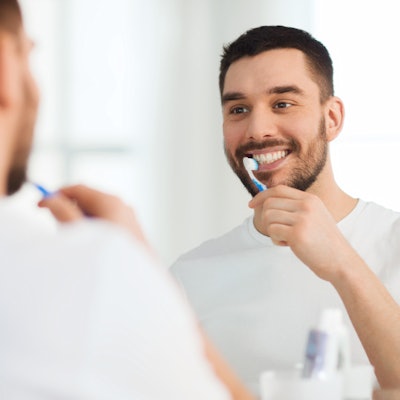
264, 38
10, 16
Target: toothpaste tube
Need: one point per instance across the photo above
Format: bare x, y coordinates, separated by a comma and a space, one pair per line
327, 350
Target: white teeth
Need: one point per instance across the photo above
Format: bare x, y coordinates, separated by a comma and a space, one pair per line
269, 158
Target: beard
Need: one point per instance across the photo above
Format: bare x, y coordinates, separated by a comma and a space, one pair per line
17, 173
309, 164
18, 170
16, 178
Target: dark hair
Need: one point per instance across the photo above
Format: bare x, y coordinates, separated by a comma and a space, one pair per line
264, 38
10, 16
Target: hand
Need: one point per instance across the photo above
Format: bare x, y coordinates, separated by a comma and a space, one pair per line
298, 219
75, 202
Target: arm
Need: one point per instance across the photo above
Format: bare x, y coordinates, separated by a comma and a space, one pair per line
73, 203
375, 316
300, 220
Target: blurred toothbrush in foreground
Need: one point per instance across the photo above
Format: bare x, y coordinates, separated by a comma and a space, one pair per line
42, 190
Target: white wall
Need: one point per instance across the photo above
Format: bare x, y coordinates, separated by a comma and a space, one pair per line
361, 36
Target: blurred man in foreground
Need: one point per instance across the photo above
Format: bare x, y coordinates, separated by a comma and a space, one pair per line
85, 313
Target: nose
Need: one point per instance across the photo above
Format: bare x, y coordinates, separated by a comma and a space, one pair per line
261, 124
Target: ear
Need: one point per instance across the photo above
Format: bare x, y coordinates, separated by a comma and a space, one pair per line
9, 70
334, 117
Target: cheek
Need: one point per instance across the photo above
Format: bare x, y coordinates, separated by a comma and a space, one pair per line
233, 135
302, 130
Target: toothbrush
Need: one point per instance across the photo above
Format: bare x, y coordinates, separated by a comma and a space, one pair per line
42, 190
252, 165
46, 193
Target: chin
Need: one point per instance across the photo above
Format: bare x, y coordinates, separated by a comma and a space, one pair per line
16, 178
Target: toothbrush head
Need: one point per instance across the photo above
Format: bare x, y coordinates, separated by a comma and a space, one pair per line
250, 164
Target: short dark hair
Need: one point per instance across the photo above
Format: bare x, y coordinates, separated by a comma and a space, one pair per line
10, 16
264, 38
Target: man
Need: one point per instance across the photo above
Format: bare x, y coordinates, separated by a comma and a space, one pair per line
258, 289
85, 313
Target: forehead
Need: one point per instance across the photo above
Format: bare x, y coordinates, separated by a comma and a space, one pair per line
278, 67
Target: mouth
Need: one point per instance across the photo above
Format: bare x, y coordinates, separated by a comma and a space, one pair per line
270, 157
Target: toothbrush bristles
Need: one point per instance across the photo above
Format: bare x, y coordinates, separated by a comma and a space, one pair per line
250, 164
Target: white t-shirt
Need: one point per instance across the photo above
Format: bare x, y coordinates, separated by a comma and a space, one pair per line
257, 301
86, 314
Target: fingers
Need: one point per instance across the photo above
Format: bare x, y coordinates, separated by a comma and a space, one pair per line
75, 202
62, 208
285, 199
93, 202
102, 205
279, 234
275, 217
277, 192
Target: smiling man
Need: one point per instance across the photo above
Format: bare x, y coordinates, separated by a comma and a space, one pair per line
308, 246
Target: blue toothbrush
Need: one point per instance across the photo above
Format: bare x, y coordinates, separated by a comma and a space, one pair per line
252, 165
42, 190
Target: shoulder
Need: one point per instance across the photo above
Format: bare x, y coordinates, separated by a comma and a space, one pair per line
372, 207
370, 216
377, 216
374, 231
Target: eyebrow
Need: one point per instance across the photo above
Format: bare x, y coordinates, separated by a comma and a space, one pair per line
232, 96
285, 89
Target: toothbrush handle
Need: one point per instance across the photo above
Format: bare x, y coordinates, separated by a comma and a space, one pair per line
259, 185
42, 190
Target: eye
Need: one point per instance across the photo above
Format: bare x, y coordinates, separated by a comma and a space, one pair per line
238, 110
282, 104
